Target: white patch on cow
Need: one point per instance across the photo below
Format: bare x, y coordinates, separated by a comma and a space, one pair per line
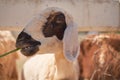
99, 38
102, 58
40, 71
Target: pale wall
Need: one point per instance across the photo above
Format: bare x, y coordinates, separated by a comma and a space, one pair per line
91, 13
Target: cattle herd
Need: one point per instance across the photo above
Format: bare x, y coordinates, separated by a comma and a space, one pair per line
50, 40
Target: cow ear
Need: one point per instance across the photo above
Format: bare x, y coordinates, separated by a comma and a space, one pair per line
71, 47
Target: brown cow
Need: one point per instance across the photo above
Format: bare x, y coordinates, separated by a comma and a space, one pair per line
51, 32
99, 58
8, 69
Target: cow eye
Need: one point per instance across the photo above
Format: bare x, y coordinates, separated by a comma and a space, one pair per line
60, 19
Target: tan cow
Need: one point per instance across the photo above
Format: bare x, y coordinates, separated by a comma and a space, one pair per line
100, 57
8, 69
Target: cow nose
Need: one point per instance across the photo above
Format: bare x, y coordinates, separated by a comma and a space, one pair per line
24, 40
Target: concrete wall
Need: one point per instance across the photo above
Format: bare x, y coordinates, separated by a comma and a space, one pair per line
87, 13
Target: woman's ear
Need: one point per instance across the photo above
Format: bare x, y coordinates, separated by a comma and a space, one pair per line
71, 46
